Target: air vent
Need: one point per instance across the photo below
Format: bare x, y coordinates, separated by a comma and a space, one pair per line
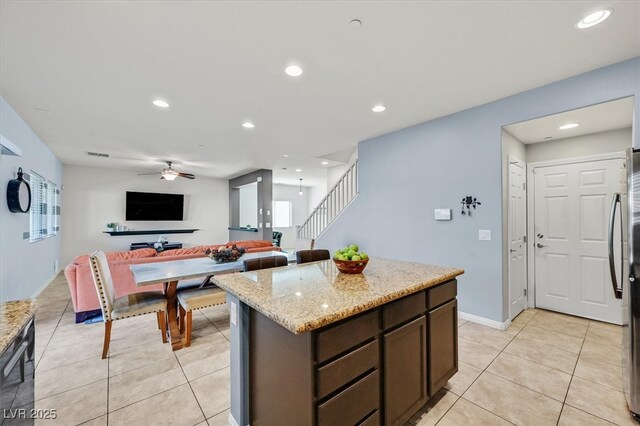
98, 154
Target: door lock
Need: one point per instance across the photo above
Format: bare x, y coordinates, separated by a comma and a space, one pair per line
540, 236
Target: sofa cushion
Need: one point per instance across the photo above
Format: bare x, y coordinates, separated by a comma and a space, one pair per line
189, 250
114, 256
249, 244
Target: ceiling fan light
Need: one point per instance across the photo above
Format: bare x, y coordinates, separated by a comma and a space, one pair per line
169, 174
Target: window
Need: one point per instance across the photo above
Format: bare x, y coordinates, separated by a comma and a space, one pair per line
282, 214
43, 216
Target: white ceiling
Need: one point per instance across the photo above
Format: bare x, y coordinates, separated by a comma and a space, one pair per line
83, 74
598, 118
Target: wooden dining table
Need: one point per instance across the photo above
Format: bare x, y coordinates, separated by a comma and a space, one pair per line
170, 273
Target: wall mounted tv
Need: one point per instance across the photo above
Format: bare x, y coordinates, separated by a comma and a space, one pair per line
154, 206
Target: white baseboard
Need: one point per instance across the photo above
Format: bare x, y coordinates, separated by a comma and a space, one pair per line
232, 420
484, 321
45, 285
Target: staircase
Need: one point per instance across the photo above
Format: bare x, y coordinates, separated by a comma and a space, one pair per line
334, 203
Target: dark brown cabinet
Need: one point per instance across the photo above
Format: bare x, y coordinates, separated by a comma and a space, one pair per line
378, 367
405, 371
442, 351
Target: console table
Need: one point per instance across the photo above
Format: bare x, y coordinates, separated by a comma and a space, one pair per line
151, 244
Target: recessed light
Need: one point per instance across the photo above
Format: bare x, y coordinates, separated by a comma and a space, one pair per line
569, 126
324, 163
285, 155
284, 169
293, 70
298, 170
355, 23
161, 103
248, 125
201, 146
548, 137
378, 108
594, 18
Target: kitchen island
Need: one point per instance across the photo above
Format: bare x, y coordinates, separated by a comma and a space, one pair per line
17, 344
312, 346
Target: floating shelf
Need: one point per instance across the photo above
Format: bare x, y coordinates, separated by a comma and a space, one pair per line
244, 229
151, 232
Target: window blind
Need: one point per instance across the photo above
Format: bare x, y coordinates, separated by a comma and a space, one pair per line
38, 212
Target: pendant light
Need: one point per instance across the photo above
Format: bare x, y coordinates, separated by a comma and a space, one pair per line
301, 192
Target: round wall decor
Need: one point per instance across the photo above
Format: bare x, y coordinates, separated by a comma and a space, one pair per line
19, 194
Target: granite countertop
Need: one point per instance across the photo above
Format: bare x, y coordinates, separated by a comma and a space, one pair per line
305, 297
13, 316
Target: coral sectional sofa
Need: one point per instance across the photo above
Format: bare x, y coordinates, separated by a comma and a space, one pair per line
83, 292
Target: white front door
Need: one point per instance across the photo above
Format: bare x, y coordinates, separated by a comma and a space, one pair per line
517, 215
570, 241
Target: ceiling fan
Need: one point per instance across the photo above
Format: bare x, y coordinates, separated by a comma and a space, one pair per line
169, 173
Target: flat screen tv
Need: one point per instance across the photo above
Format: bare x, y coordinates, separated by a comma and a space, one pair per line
154, 206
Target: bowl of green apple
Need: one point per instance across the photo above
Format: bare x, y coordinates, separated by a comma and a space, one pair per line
350, 260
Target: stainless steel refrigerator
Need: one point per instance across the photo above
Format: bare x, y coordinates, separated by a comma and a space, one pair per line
627, 287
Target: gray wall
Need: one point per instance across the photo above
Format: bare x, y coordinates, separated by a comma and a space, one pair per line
404, 175
580, 146
25, 267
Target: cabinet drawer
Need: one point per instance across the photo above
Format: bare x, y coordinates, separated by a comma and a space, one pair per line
339, 338
343, 370
402, 310
372, 420
353, 404
442, 293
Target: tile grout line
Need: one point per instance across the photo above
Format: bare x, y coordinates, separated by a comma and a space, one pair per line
571, 381
483, 371
191, 388
54, 332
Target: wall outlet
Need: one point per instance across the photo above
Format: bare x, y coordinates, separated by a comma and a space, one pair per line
234, 314
484, 235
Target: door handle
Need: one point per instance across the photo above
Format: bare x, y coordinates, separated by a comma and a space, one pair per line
617, 291
541, 245
511, 251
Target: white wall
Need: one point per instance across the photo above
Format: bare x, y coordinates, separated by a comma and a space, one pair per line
335, 173
595, 143
95, 196
24, 267
300, 207
249, 205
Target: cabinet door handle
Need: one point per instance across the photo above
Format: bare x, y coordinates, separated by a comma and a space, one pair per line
541, 245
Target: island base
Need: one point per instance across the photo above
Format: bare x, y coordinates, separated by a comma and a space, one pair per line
376, 368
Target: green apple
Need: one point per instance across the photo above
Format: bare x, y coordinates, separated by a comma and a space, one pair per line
354, 247
364, 256
337, 253
356, 258
351, 253
345, 249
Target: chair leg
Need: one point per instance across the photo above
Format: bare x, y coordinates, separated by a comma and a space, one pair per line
182, 313
187, 337
107, 338
162, 326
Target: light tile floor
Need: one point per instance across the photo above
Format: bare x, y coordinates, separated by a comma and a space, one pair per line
547, 368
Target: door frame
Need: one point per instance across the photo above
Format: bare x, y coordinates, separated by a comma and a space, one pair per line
531, 261
511, 158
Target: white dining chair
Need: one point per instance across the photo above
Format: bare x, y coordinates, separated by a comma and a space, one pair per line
200, 298
123, 307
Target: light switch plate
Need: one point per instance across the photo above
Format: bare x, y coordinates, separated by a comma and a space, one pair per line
442, 214
234, 314
484, 234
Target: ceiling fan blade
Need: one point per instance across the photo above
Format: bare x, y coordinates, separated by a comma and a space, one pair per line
148, 174
187, 175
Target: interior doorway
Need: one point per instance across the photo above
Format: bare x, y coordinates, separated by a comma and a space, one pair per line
573, 165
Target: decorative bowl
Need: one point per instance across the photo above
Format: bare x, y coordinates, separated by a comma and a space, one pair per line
225, 254
351, 266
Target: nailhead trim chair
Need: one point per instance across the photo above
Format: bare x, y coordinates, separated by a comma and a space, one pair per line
200, 298
264, 263
305, 256
123, 307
